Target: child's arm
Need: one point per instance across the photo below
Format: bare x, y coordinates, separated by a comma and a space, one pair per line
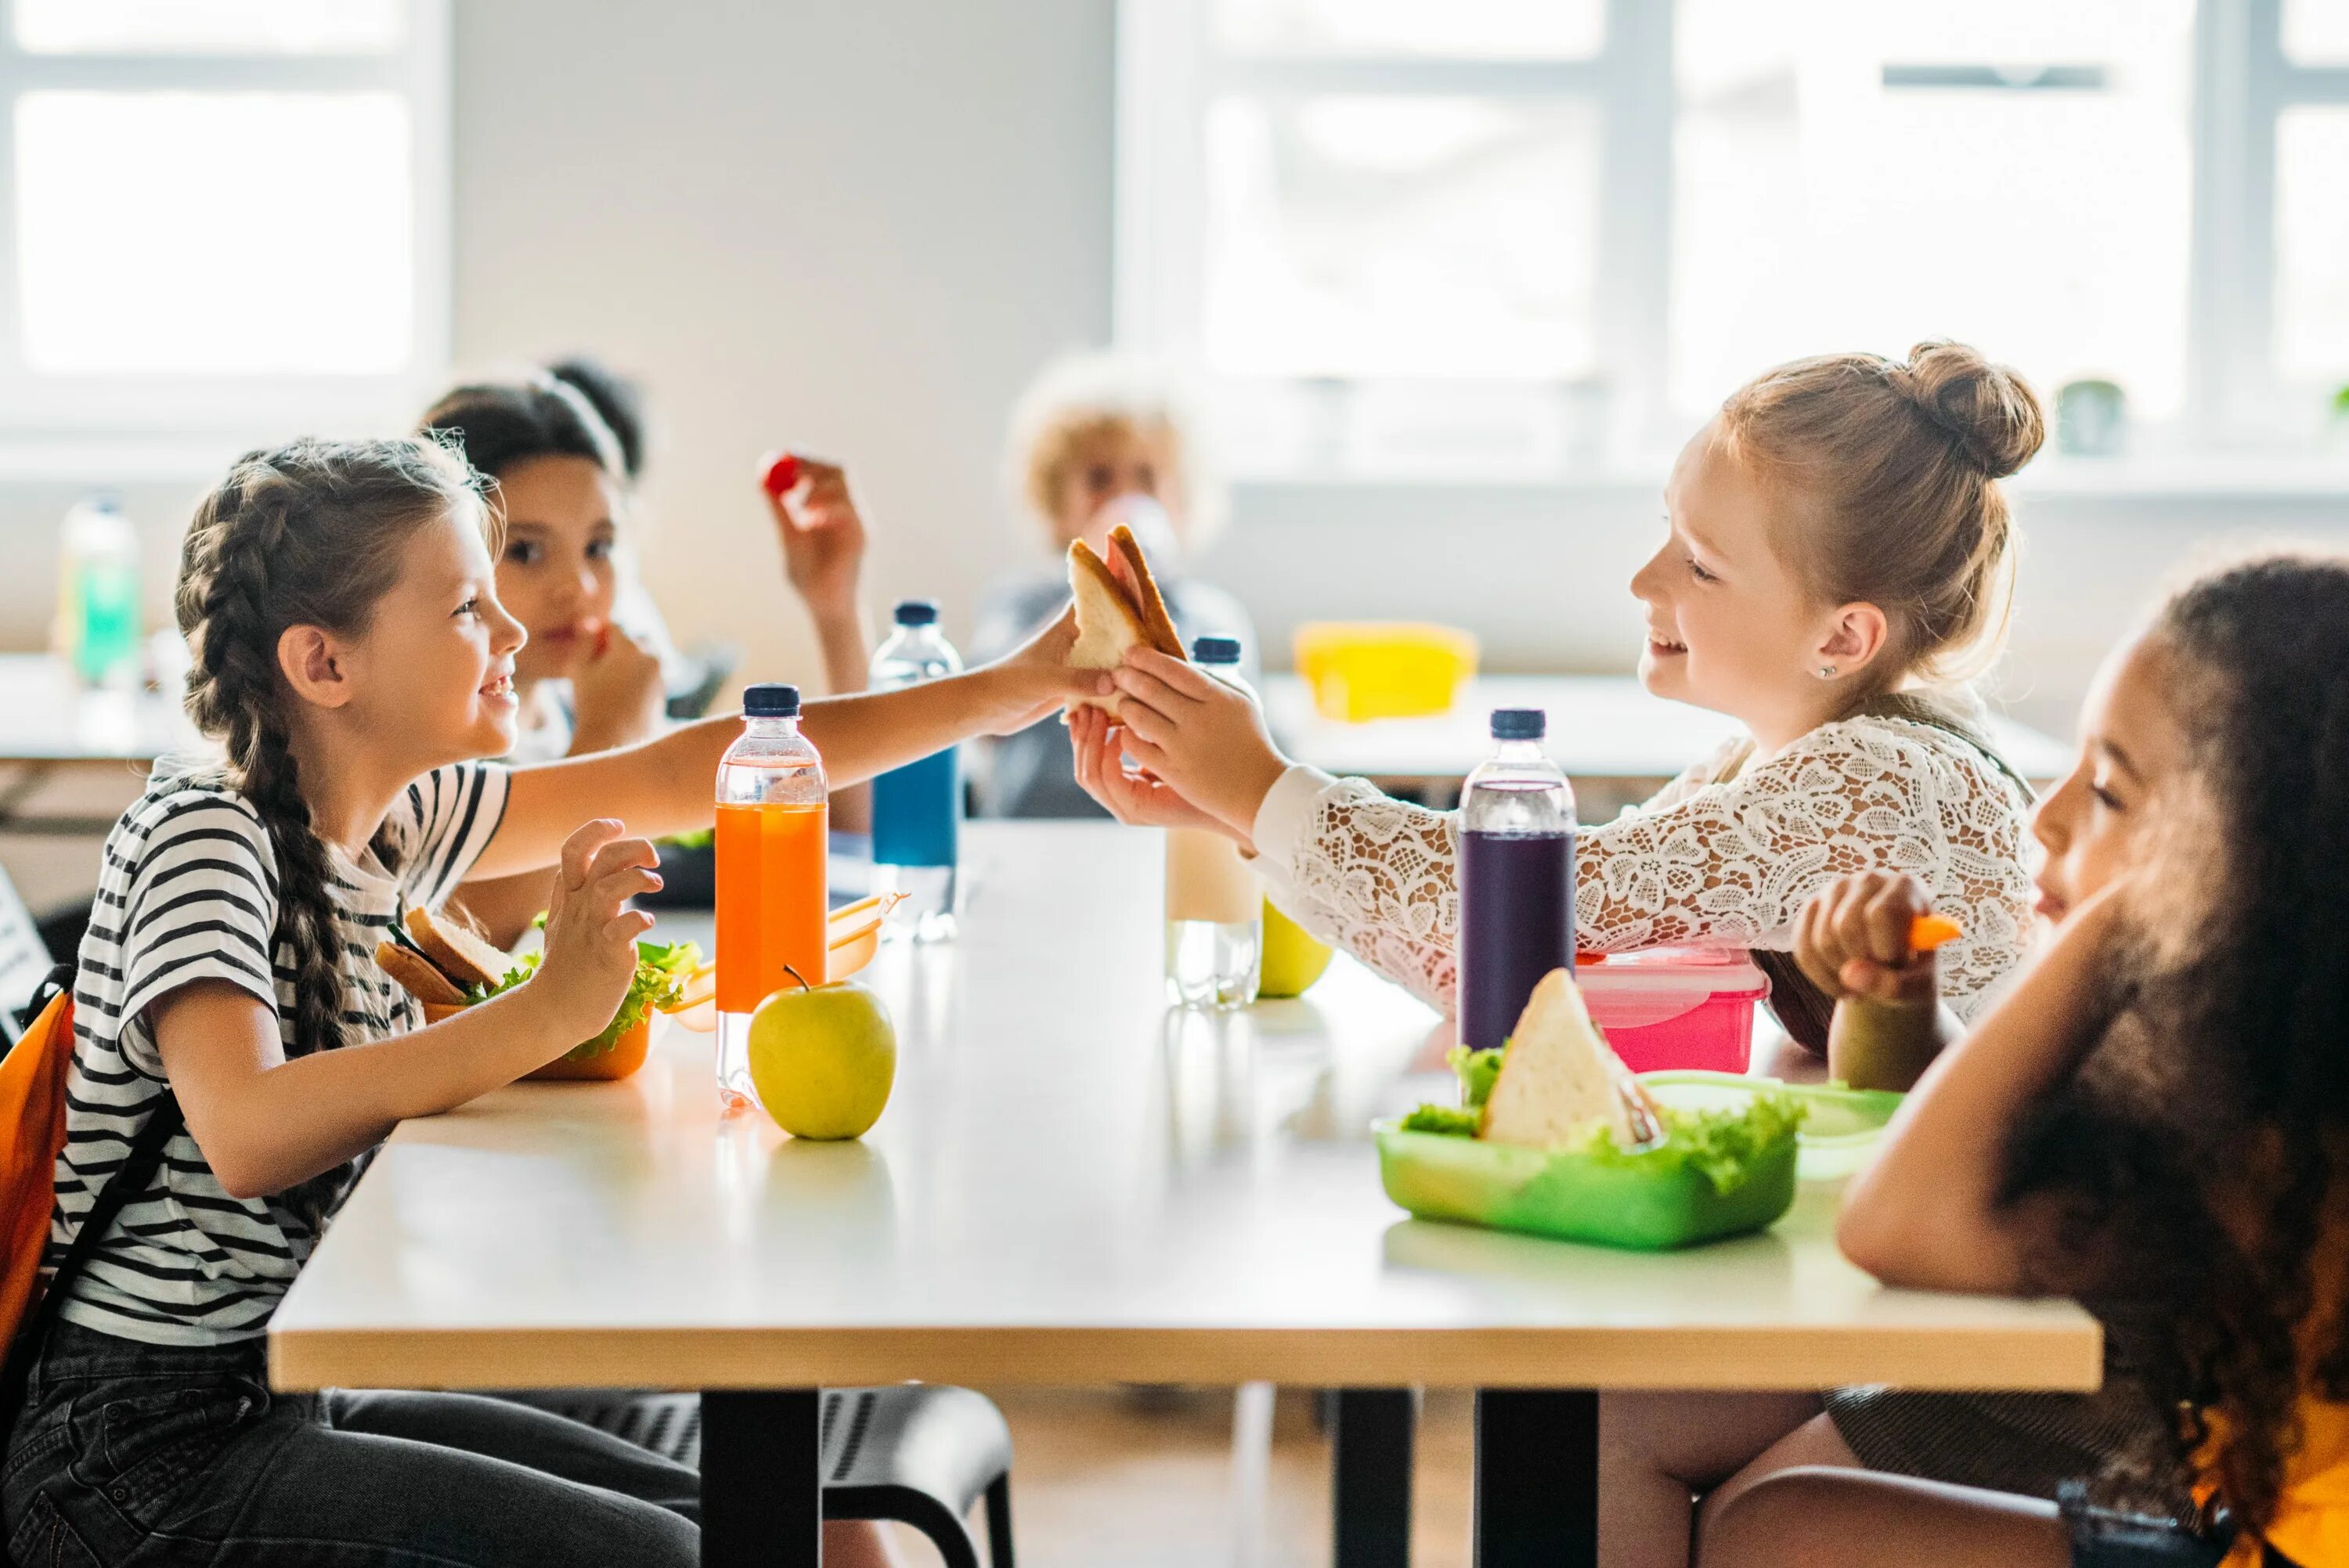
1926, 1213
823, 541
265, 1123
668, 785
1853, 940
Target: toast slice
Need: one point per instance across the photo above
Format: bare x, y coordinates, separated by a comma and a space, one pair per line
414, 975
464, 956
1149, 605
1557, 1077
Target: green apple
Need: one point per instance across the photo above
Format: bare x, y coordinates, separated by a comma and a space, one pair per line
1293, 960
823, 1059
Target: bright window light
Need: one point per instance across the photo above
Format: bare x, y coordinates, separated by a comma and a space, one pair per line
2316, 32
214, 233
207, 26
1401, 235
2312, 281
1486, 29
1852, 175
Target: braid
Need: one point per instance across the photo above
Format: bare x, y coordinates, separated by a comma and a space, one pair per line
304, 534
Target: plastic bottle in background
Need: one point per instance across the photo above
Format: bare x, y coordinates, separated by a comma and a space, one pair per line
917, 809
98, 597
1516, 878
1215, 903
771, 821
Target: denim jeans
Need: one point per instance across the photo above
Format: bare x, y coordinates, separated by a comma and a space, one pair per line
130, 1454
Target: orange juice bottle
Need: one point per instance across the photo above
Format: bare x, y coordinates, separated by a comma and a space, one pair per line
772, 821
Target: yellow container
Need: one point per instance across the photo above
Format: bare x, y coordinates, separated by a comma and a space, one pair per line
1363, 670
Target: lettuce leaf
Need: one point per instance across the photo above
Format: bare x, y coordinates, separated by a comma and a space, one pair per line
1722, 1146
1443, 1118
1475, 1070
662, 970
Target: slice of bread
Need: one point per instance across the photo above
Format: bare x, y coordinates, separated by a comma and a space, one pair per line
1557, 1077
1150, 607
414, 975
1107, 622
464, 956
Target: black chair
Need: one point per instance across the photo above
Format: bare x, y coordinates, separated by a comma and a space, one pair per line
918, 1453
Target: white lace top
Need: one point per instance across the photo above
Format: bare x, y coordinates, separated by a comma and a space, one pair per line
1724, 855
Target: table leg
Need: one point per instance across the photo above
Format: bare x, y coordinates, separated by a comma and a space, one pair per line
1369, 1481
761, 1485
1537, 1478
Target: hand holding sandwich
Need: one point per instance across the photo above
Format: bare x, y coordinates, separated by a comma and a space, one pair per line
1200, 737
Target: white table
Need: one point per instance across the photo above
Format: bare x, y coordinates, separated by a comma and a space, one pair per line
1603, 729
1074, 1186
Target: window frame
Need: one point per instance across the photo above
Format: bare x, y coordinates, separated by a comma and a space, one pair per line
1167, 74
166, 415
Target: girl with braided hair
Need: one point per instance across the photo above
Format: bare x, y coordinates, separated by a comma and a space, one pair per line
353, 662
2164, 1098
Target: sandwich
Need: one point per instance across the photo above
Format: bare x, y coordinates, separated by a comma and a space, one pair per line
1556, 1085
1110, 617
448, 966
1557, 1077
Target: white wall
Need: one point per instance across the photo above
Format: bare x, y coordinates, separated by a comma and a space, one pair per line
854, 229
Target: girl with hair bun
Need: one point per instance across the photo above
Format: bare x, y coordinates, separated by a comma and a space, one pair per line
1838, 555
354, 662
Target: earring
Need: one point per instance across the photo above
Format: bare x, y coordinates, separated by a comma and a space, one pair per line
1826, 672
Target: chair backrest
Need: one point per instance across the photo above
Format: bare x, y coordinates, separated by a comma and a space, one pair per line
23, 960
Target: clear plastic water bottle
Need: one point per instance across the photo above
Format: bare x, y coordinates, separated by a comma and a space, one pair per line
771, 908
1516, 878
1215, 903
97, 598
917, 809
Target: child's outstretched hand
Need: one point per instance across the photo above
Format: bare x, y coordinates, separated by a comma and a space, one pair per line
1129, 795
617, 692
1853, 940
1201, 738
591, 940
1034, 679
822, 536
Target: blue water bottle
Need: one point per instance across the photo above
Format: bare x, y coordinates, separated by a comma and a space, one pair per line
917, 809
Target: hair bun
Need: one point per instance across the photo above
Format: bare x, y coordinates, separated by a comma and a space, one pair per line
1989, 410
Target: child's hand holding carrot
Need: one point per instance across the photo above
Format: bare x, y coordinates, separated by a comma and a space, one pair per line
1857, 939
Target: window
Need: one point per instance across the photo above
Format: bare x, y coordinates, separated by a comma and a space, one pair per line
1532, 238
225, 217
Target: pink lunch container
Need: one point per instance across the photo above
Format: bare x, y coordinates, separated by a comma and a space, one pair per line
1676, 1006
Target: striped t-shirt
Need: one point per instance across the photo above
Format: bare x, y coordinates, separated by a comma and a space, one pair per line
188, 891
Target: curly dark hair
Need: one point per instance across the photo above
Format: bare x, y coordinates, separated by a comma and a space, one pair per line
2194, 1158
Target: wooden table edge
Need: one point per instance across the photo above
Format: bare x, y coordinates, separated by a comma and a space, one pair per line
2060, 1356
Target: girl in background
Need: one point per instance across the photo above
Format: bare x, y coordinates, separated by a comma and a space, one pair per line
352, 659
1097, 441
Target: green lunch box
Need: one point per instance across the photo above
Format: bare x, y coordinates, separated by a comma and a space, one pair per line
1650, 1202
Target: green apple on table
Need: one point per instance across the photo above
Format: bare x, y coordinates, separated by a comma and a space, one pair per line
823, 1059
1293, 960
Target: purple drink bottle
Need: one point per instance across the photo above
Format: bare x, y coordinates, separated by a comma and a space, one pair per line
1516, 878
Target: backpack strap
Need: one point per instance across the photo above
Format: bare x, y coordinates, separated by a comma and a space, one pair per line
133, 1177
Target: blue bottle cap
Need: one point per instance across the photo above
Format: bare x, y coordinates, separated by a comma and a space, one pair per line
771, 700
1216, 650
917, 612
1520, 724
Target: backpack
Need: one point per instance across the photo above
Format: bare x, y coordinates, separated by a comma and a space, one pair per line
32, 1132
